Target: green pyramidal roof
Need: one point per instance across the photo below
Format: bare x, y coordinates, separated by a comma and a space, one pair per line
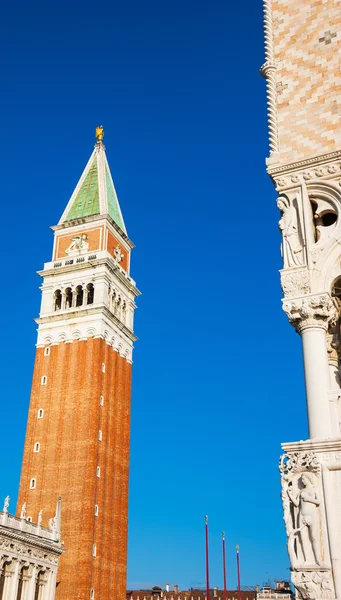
95, 192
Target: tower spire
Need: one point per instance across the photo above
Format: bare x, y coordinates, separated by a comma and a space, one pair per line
95, 192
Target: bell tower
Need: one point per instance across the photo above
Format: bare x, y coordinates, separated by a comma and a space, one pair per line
77, 438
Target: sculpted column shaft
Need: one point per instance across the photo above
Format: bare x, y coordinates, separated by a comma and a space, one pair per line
311, 317
317, 381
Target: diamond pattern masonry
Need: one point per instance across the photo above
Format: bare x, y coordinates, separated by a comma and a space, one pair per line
307, 52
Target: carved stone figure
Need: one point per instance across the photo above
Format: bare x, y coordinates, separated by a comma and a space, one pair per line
40, 516
292, 251
78, 243
117, 254
6, 503
316, 584
23, 511
307, 501
53, 524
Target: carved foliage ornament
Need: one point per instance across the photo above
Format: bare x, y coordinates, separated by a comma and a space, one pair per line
313, 311
295, 283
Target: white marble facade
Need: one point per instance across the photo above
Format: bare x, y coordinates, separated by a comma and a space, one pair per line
309, 203
29, 557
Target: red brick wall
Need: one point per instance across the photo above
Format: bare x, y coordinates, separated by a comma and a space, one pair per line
68, 457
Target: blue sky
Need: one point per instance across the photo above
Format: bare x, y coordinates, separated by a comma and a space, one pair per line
218, 381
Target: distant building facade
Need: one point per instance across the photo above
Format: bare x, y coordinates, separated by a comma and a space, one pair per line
157, 593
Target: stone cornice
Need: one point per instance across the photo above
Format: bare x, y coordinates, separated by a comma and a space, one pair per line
296, 166
91, 219
84, 312
315, 445
31, 540
109, 262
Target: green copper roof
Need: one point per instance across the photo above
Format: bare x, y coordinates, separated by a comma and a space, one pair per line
95, 193
86, 202
113, 207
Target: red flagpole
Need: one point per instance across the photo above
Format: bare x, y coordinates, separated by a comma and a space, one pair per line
224, 565
238, 571
207, 569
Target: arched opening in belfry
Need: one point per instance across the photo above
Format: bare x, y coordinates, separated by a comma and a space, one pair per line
79, 295
90, 293
68, 297
57, 300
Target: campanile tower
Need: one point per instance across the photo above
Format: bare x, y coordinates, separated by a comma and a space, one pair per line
77, 438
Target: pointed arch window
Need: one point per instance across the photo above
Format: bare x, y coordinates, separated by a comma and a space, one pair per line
40, 413
96, 510
33, 484
43, 380
37, 447
47, 351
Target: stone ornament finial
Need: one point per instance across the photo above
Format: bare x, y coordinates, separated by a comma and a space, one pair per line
99, 133
40, 517
6, 504
23, 511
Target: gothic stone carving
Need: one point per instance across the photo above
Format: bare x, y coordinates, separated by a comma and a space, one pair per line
312, 311
316, 584
303, 518
295, 282
292, 247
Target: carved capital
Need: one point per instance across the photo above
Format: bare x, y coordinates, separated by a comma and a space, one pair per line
311, 311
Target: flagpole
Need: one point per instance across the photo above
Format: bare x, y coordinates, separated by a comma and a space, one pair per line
207, 568
224, 565
238, 571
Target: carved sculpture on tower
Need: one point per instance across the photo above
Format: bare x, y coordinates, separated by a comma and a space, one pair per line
305, 166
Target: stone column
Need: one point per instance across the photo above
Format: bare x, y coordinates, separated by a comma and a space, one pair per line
8, 579
50, 588
14, 580
311, 317
333, 347
32, 583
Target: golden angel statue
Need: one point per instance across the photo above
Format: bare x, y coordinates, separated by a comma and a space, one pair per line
99, 133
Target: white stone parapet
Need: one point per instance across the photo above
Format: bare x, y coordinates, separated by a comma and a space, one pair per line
23, 525
29, 557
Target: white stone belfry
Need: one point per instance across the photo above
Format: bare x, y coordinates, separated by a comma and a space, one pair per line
305, 166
